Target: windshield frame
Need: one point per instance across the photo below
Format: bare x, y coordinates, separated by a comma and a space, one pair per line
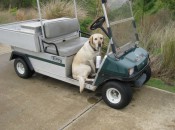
120, 50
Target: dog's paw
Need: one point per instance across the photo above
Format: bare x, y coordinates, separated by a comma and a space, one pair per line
81, 90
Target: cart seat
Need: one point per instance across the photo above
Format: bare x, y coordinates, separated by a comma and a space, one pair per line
67, 48
60, 27
64, 34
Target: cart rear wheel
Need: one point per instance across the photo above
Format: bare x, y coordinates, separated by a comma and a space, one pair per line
22, 69
116, 95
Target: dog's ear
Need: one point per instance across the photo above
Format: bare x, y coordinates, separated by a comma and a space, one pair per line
103, 40
91, 40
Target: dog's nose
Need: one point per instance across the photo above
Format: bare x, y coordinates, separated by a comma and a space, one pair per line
99, 45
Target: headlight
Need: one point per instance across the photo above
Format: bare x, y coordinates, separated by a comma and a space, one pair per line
131, 71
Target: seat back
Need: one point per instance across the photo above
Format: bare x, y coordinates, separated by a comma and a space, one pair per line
61, 26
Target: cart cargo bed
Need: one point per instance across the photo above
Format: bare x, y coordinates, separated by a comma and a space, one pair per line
19, 35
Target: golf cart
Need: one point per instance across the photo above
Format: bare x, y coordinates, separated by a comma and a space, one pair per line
49, 46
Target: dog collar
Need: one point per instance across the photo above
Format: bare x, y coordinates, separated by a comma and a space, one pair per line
93, 48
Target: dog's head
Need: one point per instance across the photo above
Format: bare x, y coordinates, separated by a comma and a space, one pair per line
96, 41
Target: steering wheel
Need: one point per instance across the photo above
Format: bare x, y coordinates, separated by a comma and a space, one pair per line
98, 23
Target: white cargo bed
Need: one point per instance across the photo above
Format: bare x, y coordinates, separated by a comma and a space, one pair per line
19, 35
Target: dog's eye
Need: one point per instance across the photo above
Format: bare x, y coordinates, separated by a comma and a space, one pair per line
95, 38
101, 38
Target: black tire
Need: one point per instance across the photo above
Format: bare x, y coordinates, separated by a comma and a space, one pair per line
148, 74
25, 72
123, 90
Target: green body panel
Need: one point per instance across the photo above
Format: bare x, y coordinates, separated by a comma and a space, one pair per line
113, 68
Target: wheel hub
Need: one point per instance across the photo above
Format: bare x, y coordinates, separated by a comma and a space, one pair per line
113, 95
20, 68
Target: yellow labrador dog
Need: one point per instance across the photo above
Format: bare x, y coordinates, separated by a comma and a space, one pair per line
84, 61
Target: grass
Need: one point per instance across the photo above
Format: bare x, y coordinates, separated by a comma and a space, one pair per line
50, 10
13, 15
157, 83
26, 14
57, 9
6, 17
157, 36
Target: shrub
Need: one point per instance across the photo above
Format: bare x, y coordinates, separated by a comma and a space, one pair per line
26, 14
6, 17
150, 30
13, 10
168, 51
18, 3
170, 4
157, 36
56, 9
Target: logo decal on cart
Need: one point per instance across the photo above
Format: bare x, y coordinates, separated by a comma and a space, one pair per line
55, 58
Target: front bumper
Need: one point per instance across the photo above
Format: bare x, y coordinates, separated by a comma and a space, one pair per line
140, 81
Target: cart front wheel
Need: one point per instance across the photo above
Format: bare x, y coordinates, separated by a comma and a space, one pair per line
116, 95
22, 69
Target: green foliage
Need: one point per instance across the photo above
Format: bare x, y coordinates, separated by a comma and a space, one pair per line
170, 4
19, 3
84, 24
13, 10
144, 7
5, 3
26, 3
